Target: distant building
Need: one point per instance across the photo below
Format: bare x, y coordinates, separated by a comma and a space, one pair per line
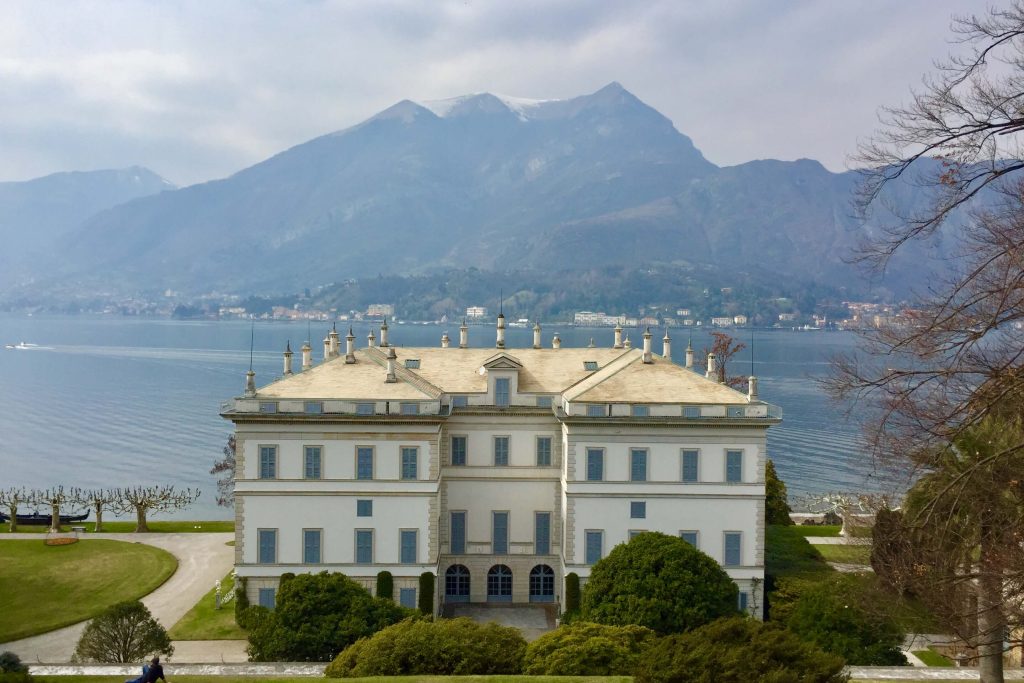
596, 319
787, 317
380, 310
724, 321
476, 312
648, 321
683, 312
739, 320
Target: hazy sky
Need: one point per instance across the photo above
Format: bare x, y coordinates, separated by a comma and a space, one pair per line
198, 90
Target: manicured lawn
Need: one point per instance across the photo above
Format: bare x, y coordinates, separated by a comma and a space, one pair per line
46, 587
846, 554
787, 553
124, 526
933, 658
380, 679
204, 622
812, 530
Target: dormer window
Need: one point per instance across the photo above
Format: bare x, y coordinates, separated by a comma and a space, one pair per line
641, 411
268, 406
412, 363
595, 410
590, 365
313, 407
460, 401
501, 392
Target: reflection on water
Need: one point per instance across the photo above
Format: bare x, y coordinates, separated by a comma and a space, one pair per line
119, 401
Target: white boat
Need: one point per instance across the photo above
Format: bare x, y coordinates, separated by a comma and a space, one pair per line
25, 346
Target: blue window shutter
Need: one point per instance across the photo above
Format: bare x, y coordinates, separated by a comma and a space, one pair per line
311, 546
408, 547
364, 463
690, 537
595, 464
364, 546
638, 464
499, 533
268, 598
542, 533
458, 533
267, 546
690, 459
410, 456
593, 546
733, 541
501, 391
458, 450
407, 597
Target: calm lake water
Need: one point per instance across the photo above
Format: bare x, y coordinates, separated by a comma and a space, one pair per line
120, 401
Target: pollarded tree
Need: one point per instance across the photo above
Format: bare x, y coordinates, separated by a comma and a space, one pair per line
56, 498
11, 499
126, 632
142, 500
658, 581
99, 501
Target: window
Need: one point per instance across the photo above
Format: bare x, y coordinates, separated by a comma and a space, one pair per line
499, 533
364, 508
501, 392
590, 365
733, 541
641, 411
365, 408
412, 363
637, 464
456, 584
407, 550
543, 401
410, 456
364, 462
543, 451
542, 584
313, 407
690, 537
407, 597
268, 406
501, 450
311, 539
542, 533
736, 411
267, 553
499, 584
312, 462
742, 600
595, 410
268, 462
460, 401
410, 408
595, 464
458, 450
594, 541
638, 510
268, 597
734, 466
633, 533
691, 411
364, 546
690, 461
458, 533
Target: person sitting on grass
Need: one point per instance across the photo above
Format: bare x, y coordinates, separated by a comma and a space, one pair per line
142, 678
155, 671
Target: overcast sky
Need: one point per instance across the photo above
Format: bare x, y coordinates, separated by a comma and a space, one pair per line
198, 90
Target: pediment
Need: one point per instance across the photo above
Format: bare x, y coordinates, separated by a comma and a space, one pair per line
503, 361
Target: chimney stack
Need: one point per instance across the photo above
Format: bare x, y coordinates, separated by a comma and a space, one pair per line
371, 339
327, 347
627, 344
463, 335
647, 358
618, 336
689, 355
350, 347
666, 346
500, 344
335, 341
307, 356
384, 333
391, 379
250, 384
288, 358
712, 371
445, 341
536, 335
752, 389
556, 342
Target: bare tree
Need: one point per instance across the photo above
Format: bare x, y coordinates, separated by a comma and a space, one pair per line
725, 347
99, 500
11, 499
225, 468
142, 500
56, 497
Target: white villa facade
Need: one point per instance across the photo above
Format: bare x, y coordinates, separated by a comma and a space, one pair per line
498, 470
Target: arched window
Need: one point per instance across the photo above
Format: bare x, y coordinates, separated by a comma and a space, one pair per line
542, 584
456, 584
499, 584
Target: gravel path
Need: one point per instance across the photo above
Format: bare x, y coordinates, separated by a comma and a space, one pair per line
202, 559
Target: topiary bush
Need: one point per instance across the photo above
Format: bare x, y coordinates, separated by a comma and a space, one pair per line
737, 650
572, 593
425, 600
658, 581
125, 632
446, 647
385, 585
587, 649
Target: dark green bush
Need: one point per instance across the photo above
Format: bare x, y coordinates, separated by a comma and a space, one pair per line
316, 617
737, 650
13, 677
587, 649
446, 647
385, 585
776, 501
658, 581
285, 578
241, 599
252, 616
10, 663
124, 632
572, 592
426, 597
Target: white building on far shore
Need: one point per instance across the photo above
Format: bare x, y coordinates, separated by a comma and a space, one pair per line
499, 470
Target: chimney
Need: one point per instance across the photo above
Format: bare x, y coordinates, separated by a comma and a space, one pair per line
500, 344
618, 336
335, 341
445, 341
536, 335
288, 358
666, 346
327, 347
391, 379
627, 344
463, 335
371, 339
350, 347
556, 342
689, 355
307, 356
591, 344
712, 371
648, 358
250, 384
752, 389
384, 333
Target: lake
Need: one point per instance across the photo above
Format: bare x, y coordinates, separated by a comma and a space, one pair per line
111, 401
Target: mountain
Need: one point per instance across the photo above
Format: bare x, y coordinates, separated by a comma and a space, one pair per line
479, 181
34, 214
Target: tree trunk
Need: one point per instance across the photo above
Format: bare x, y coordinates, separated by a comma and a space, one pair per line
99, 518
14, 517
55, 517
140, 526
991, 622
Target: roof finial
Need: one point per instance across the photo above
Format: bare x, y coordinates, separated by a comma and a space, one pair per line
252, 341
501, 302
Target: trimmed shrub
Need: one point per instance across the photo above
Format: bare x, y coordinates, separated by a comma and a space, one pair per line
426, 597
587, 649
10, 663
737, 650
385, 585
776, 501
316, 617
446, 647
126, 632
252, 616
658, 581
572, 593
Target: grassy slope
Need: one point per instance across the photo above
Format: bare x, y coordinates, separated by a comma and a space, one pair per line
169, 669
846, 554
44, 587
204, 622
814, 530
121, 527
